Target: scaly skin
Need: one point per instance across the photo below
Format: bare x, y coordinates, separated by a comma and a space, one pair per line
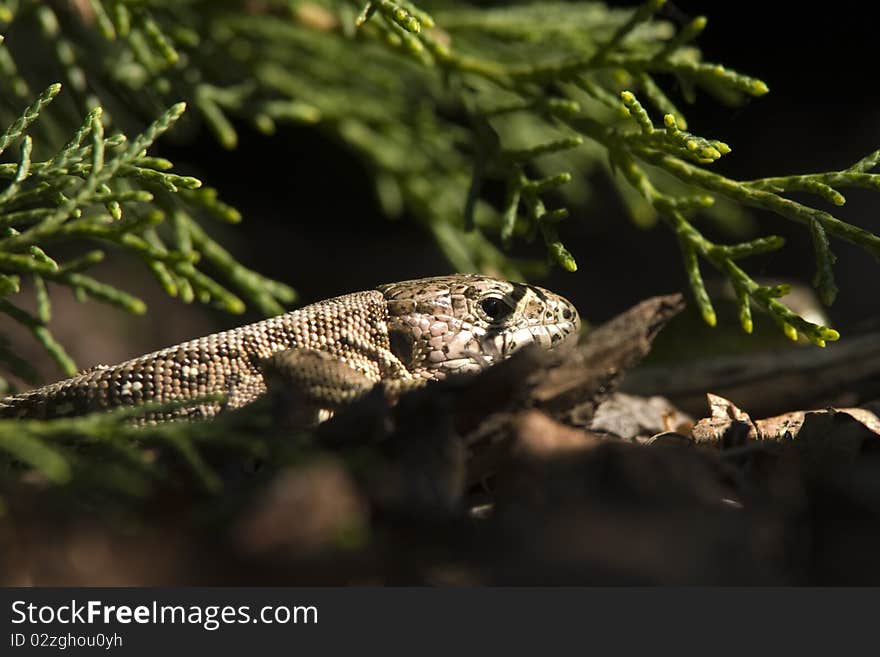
401, 335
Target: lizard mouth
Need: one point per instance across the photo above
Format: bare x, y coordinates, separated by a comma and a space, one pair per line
473, 352
547, 336
464, 324
453, 366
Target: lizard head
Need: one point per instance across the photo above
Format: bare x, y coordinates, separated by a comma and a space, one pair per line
466, 323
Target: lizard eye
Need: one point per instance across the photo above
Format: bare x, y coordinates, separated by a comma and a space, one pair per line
495, 309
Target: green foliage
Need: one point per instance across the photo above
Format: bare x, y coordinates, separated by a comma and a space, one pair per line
107, 190
440, 106
113, 458
676, 152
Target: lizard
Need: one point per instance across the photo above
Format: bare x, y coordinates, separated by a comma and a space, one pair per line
398, 335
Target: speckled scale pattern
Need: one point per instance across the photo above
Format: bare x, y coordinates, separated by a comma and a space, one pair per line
400, 334
224, 362
448, 332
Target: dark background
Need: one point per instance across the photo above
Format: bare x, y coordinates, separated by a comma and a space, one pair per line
311, 218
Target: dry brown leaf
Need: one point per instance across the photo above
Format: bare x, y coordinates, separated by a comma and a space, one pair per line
823, 435
638, 419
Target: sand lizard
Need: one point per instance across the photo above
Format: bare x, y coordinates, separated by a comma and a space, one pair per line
400, 335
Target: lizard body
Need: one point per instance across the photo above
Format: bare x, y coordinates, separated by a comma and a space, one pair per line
400, 335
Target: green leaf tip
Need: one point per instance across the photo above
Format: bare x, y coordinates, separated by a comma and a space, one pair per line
233, 305
9, 285
406, 20
366, 13
709, 153
563, 257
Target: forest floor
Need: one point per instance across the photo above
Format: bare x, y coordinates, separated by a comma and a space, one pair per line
537, 471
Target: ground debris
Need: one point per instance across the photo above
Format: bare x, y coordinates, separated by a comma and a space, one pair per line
639, 419
823, 435
534, 472
303, 511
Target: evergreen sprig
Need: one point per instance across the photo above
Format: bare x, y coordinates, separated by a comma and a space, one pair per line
441, 98
106, 189
118, 457
627, 148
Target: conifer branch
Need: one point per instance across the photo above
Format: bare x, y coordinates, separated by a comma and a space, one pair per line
89, 189
526, 95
